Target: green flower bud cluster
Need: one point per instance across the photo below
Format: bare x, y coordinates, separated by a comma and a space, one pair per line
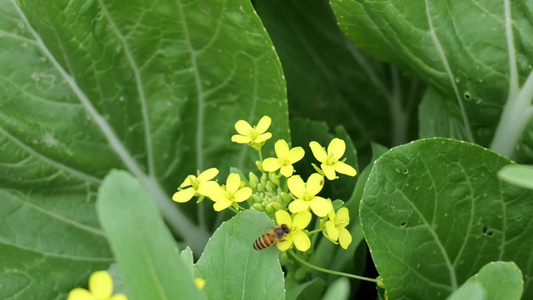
267, 194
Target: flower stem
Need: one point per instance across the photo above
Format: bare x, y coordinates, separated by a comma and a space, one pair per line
303, 262
260, 155
314, 231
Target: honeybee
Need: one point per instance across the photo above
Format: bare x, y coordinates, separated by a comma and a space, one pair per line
271, 237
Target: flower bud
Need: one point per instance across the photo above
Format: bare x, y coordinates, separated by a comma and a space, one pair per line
256, 198
253, 180
257, 206
276, 206
273, 178
259, 166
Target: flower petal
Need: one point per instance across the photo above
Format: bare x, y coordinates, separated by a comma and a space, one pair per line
80, 294
320, 206
332, 231
282, 149
233, 182
329, 171
218, 194
345, 169
243, 127
222, 204
283, 217
343, 215
208, 174
241, 139
287, 171
296, 186
337, 147
184, 195
101, 284
301, 219
271, 164
301, 241
315, 183
298, 205
188, 181
296, 154
319, 152
263, 137
207, 188
119, 297
345, 238
243, 194
286, 244
263, 124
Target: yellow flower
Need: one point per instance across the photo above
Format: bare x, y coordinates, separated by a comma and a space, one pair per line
200, 283
201, 185
331, 160
100, 288
286, 157
230, 194
306, 195
254, 136
296, 234
336, 227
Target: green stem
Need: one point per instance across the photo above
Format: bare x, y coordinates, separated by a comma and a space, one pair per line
260, 156
303, 262
314, 231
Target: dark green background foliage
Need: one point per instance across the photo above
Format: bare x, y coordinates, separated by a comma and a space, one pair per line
155, 88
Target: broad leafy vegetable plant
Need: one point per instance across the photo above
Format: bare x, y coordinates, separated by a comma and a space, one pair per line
110, 110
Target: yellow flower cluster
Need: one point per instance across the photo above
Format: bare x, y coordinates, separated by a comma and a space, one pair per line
100, 288
303, 195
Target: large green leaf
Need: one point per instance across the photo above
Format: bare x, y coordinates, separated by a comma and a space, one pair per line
233, 269
476, 55
330, 79
143, 246
434, 212
153, 87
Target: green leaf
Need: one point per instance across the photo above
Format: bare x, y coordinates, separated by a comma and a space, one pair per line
142, 244
294, 289
339, 289
434, 211
118, 282
471, 290
517, 174
87, 86
233, 269
498, 280
332, 80
476, 56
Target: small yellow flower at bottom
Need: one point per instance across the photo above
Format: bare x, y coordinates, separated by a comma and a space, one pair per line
100, 288
200, 283
296, 234
336, 227
232, 193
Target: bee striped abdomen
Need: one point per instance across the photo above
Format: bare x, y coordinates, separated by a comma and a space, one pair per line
274, 235
263, 242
